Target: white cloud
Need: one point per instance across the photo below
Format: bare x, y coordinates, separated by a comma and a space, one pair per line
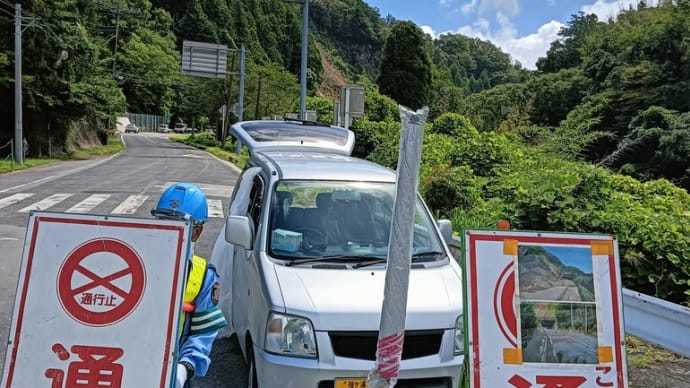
608, 9
526, 49
468, 7
507, 7
429, 31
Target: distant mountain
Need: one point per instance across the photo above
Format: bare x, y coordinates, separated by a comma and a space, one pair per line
541, 270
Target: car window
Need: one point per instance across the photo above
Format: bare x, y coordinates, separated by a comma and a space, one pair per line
324, 218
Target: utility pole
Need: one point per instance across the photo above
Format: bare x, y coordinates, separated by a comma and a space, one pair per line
303, 67
118, 11
258, 97
303, 75
18, 125
240, 106
18, 136
117, 31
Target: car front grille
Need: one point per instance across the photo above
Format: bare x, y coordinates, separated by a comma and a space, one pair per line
362, 344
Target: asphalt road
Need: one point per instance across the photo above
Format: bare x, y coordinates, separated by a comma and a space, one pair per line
129, 184
560, 293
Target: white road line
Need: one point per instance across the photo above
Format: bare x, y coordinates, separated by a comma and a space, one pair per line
12, 199
130, 205
47, 202
88, 204
215, 208
65, 173
224, 191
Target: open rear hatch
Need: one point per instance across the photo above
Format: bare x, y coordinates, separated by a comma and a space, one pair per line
293, 135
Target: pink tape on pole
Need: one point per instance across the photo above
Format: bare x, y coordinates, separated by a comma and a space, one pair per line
388, 354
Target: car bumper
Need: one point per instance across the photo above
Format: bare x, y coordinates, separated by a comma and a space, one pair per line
281, 371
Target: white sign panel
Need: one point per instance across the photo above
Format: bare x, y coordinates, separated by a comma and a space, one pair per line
543, 310
97, 303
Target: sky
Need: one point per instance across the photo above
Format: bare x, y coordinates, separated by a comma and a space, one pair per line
522, 28
578, 257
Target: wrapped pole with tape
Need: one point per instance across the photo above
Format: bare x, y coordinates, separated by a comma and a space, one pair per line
392, 325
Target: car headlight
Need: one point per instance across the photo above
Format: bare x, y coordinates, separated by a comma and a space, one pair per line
459, 338
290, 335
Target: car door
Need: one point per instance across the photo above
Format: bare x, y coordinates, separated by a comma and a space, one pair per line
248, 201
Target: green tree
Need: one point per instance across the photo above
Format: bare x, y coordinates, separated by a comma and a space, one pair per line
565, 53
556, 94
406, 66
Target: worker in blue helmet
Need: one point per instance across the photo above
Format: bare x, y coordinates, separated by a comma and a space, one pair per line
201, 317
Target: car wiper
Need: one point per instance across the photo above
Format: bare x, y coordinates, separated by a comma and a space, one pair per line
426, 256
336, 258
371, 261
417, 257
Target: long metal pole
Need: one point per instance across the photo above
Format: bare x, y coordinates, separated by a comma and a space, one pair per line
303, 75
240, 107
18, 137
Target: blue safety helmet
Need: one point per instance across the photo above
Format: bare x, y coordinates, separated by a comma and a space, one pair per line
182, 201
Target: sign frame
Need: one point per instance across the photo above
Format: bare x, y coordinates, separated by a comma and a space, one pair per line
494, 300
97, 253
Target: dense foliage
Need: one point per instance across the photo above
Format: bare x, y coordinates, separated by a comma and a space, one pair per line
476, 178
564, 148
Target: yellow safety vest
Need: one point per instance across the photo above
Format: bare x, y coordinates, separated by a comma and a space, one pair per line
195, 280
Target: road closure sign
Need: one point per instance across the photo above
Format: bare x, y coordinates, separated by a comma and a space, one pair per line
98, 302
543, 310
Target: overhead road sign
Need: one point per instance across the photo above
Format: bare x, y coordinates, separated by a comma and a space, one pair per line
204, 59
98, 302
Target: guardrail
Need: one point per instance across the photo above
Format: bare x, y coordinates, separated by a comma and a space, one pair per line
652, 319
657, 321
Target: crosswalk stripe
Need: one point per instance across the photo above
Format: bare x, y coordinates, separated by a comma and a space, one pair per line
130, 205
224, 191
88, 204
215, 208
47, 202
12, 199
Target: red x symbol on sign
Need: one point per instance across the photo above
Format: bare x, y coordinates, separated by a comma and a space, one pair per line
76, 263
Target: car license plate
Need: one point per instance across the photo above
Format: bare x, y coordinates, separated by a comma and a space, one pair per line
350, 383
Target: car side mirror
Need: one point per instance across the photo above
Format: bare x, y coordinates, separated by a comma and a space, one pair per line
239, 231
446, 229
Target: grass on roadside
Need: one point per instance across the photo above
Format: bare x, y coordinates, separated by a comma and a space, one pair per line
114, 146
644, 355
8, 165
208, 143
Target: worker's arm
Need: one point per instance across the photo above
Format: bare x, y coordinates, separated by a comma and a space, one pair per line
206, 320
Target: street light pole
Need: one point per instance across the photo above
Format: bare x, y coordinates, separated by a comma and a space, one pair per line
303, 75
18, 137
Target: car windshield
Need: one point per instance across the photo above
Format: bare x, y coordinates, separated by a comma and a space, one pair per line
342, 221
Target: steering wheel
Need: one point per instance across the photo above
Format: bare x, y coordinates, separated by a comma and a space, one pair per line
313, 239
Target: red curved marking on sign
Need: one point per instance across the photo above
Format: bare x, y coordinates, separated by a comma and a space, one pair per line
503, 301
73, 264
